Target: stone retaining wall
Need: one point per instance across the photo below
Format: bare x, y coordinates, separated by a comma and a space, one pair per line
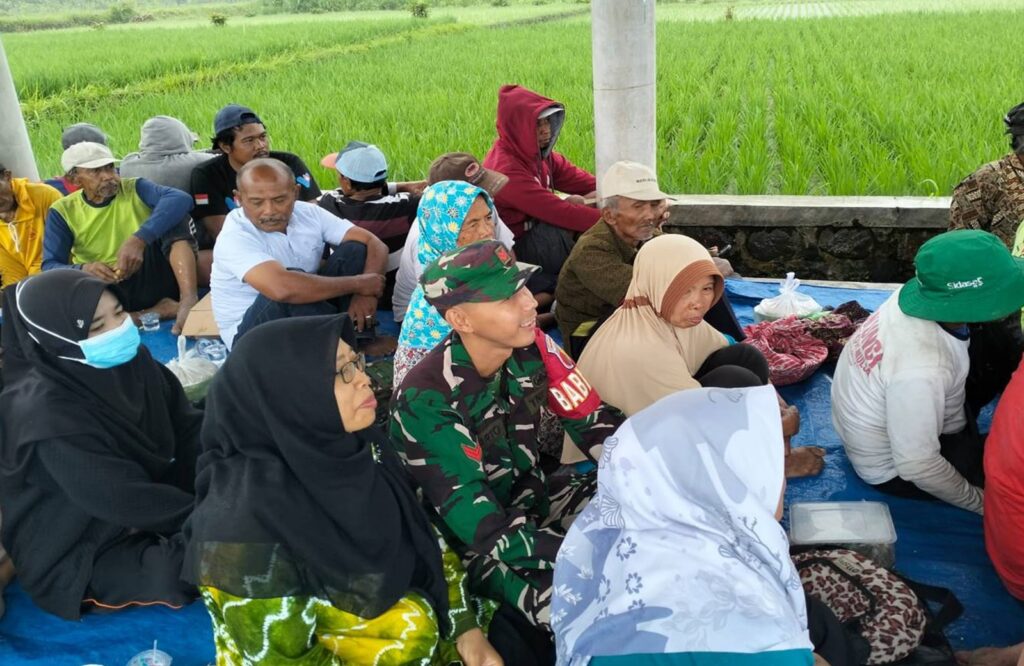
872, 239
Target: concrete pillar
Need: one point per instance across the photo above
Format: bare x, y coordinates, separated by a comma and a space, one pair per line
15, 148
624, 82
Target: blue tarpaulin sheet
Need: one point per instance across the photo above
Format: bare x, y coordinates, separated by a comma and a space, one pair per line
937, 544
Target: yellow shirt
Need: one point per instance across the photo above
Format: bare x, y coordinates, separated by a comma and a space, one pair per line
21, 241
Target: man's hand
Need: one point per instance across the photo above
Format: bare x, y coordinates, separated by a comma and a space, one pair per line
361, 310
129, 257
369, 284
185, 306
723, 266
100, 271
576, 199
664, 214
475, 649
413, 187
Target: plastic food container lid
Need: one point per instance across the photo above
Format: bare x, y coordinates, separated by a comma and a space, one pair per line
840, 522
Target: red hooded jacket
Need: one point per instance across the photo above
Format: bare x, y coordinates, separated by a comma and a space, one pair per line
532, 175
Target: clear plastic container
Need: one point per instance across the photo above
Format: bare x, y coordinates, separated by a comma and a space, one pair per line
151, 657
864, 527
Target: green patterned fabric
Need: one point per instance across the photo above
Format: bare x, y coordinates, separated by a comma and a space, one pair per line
471, 444
309, 631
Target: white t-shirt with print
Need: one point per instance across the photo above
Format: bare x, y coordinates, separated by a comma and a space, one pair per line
898, 385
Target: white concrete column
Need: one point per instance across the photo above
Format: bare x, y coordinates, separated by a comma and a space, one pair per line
624, 82
15, 148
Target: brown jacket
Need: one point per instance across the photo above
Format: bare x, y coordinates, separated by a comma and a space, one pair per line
593, 280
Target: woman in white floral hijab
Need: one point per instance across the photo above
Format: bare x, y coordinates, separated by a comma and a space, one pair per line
679, 558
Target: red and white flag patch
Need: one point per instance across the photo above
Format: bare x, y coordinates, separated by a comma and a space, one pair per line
202, 199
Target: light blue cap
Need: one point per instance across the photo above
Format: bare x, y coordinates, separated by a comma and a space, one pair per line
362, 163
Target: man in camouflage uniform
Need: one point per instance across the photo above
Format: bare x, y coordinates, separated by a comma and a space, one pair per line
466, 419
992, 198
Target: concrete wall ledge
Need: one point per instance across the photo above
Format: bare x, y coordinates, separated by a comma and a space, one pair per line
809, 211
872, 239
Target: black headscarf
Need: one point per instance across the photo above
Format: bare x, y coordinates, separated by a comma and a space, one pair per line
49, 393
288, 503
55, 413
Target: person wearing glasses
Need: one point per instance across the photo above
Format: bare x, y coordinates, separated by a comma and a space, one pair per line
268, 264
308, 543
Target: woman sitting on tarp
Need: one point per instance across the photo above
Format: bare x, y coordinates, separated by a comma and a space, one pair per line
307, 541
657, 342
679, 558
451, 214
98, 450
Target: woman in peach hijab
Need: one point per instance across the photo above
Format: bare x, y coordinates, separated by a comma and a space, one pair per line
657, 342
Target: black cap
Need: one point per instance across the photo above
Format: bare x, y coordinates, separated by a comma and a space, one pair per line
234, 115
1014, 120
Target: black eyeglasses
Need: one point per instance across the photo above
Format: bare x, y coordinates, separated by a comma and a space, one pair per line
349, 370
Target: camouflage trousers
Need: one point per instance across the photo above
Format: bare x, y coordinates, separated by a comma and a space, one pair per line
529, 590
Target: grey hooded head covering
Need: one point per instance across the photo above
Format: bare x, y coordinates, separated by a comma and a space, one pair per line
166, 154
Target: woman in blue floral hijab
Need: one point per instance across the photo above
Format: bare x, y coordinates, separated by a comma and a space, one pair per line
451, 214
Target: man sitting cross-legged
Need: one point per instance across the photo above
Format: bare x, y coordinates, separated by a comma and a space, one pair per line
466, 418
267, 261
128, 231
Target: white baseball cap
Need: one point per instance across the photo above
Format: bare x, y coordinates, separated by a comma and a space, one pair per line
87, 155
632, 180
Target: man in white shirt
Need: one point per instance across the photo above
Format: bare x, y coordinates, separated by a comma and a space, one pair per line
898, 395
267, 260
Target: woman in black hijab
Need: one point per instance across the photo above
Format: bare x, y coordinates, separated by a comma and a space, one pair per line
97, 451
307, 541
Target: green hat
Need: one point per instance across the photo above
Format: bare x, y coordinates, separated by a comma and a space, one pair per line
964, 276
480, 272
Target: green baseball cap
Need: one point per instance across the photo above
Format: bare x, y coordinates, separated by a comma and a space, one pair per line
964, 276
480, 272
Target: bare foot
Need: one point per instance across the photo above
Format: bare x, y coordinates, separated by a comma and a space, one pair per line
989, 656
382, 345
184, 307
805, 461
6, 574
790, 421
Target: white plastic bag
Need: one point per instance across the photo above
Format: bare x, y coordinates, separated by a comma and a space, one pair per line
192, 370
788, 302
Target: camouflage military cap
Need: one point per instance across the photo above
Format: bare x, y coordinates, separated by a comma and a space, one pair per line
481, 272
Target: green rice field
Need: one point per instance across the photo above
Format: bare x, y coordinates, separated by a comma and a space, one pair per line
850, 97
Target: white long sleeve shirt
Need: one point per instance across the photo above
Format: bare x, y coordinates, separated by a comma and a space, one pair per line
898, 386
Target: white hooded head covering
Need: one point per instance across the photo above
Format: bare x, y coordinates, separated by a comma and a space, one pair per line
679, 551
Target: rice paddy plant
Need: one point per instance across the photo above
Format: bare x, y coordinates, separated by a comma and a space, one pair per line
860, 105
57, 63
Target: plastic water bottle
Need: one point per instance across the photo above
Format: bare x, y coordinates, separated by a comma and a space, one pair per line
151, 657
